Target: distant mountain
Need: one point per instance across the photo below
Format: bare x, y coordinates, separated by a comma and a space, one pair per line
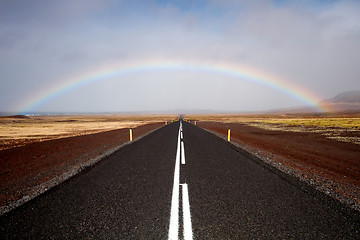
346, 97
343, 102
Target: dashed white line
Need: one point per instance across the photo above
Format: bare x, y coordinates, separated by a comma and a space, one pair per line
182, 153
186, 213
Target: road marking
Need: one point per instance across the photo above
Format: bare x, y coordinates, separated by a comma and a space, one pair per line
182, 153
186, 213
174, 214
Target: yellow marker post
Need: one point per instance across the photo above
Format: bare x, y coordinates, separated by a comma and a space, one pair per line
130, 134
195, 123
229, 135
165, 122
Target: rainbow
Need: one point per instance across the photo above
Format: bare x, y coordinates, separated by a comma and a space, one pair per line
227, 69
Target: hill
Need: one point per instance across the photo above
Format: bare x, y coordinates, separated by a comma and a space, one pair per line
346, 97
344, 102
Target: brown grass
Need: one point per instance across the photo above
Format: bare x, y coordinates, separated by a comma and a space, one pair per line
18, 130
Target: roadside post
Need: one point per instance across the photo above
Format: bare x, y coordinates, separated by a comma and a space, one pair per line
229, 135
165, 122
195, 123
131, 138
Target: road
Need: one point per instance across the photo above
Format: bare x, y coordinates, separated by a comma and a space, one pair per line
180, 183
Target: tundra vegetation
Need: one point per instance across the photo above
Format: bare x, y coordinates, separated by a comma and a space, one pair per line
19, 130
341, 127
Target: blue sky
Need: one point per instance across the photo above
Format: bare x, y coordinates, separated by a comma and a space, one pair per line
313, 44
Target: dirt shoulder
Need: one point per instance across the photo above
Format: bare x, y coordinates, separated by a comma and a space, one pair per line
28, 170
331, 166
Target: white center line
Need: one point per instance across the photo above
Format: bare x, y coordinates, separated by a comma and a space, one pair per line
182, 153
174, 214
186, 213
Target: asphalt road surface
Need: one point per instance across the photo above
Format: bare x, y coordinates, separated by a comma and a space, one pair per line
180, 183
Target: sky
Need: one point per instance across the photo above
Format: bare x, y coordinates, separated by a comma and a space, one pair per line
313, 45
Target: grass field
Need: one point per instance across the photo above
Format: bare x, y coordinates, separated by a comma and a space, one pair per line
19, 130
340, 127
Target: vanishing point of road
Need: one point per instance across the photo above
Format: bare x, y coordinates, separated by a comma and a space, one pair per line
180, 182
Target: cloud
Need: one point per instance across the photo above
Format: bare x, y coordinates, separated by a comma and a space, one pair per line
312, 43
